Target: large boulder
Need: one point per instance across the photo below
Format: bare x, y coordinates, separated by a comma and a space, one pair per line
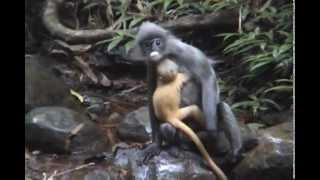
43, 88
61, 130
272, 158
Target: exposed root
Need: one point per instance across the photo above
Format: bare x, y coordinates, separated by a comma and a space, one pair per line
57, 29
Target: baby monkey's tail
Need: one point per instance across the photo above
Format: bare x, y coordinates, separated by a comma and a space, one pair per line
190, 133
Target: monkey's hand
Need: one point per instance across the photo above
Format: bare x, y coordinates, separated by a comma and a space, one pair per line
150, 151
185, 78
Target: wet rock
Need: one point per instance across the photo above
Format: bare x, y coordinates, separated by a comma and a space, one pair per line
61, 130
43, 88
94, 104
136, 126
164, 166
272, 158
97, 175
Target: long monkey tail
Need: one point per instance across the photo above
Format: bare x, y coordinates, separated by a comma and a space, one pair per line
189, 132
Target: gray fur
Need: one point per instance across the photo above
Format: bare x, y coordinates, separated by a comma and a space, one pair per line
202, 88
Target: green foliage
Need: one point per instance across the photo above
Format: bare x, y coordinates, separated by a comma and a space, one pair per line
129, 15
256, 104
264, 47
263, 44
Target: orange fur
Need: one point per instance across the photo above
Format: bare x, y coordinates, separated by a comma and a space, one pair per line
166, 103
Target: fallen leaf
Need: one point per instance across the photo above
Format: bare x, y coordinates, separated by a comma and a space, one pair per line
105, 81
77, 95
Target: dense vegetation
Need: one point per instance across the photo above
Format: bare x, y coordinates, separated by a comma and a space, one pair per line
262, 48
259, 77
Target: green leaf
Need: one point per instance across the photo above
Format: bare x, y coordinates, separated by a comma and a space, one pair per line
253, 59
263, 46
259, 65
275, 52
128, 45
115, 42
284, 48
166, 4
235, 46
265, 6
283, 80
276, 105
280, 88
77, 95
180, 2
242, 104
135, 21
242, 50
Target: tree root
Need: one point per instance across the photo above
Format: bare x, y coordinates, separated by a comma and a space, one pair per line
51, 21
57, 29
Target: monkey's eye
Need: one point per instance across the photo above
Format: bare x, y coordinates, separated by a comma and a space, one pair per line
158, 42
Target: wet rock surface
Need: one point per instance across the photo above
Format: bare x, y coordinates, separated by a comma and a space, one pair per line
61, 130
136, 126
272, 158
124, 164
186, 166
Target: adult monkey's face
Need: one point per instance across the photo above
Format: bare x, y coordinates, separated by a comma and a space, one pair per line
151, 45
146, 47
150, 38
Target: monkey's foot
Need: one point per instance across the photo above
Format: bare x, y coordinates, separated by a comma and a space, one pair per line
150, 151
233, 157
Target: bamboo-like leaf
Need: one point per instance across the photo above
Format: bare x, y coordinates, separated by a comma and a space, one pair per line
283, 80
135, 21
238, 44
77, 95
284, 48
259, 65
276, 105
166, 4
180, 2
242, 104
91, 5
265, 6
257, 58
115, 42
280, 88
128, 45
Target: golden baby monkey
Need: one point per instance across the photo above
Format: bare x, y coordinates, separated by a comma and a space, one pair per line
166, 102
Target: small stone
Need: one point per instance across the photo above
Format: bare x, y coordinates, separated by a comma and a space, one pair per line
136, 126
164, 166
114, 117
